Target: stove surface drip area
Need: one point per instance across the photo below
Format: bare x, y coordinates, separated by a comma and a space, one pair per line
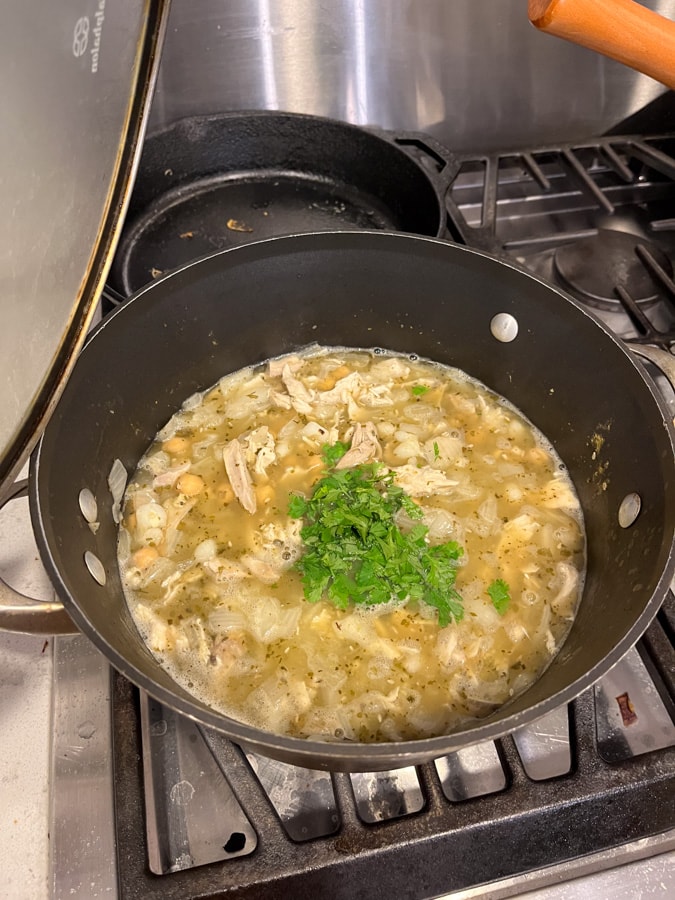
594, 266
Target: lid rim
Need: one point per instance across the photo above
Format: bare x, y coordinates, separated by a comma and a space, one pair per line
41, 406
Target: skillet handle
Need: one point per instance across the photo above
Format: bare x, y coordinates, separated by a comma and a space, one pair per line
621, 29
24, 614
443, 169
443, 164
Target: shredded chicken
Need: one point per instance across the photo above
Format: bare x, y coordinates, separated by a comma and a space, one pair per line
275, 367
260, 449
170, 476
226, 570
281, 400
176, 582
261, 569
225, 651
240, 477
301, 397
365, 446
377, 395
344, 389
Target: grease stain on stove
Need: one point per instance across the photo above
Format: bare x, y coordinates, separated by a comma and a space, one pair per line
182, 793
627, 710
86, 730
158, 728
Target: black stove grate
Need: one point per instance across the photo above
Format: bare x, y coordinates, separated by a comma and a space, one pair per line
519, 205
446, 846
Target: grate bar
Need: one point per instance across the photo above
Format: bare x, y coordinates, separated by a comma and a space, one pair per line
586, 182
656, 270
536, 171
616, 163
654, 158
658, 641
545, 241
489, 217
638, 318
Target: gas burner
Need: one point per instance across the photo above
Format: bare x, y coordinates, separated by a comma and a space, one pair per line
594, 266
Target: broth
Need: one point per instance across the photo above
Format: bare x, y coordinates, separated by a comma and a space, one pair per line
215, 567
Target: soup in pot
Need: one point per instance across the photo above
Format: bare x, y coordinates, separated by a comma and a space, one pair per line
352, 545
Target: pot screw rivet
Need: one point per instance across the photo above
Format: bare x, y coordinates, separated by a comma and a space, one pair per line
88, 505
95, 566
504, 327
629, 510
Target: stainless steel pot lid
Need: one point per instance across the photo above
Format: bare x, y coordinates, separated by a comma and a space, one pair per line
77, 78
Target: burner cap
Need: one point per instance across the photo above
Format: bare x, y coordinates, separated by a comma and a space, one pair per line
592, 267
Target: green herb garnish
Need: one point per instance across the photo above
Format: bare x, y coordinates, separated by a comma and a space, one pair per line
437, 452
419, 389
356, 553
331, 453
500, 596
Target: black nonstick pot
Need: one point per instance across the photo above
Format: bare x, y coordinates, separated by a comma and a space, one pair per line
523, 338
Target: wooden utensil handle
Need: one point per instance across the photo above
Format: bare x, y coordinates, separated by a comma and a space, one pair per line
621, 29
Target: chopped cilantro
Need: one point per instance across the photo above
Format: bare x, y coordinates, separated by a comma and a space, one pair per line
437, 452
354, 551
331, 454
419, 389
500, 596
297, 507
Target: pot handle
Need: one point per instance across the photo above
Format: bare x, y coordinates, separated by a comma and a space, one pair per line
621, 29
23, 614
661, 358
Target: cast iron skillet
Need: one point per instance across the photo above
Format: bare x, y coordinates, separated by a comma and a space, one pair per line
208, 183
419, 295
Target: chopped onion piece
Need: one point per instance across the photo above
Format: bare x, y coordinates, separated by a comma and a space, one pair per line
117, 482
223, 619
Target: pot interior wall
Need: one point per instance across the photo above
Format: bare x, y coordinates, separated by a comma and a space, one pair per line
406, 294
